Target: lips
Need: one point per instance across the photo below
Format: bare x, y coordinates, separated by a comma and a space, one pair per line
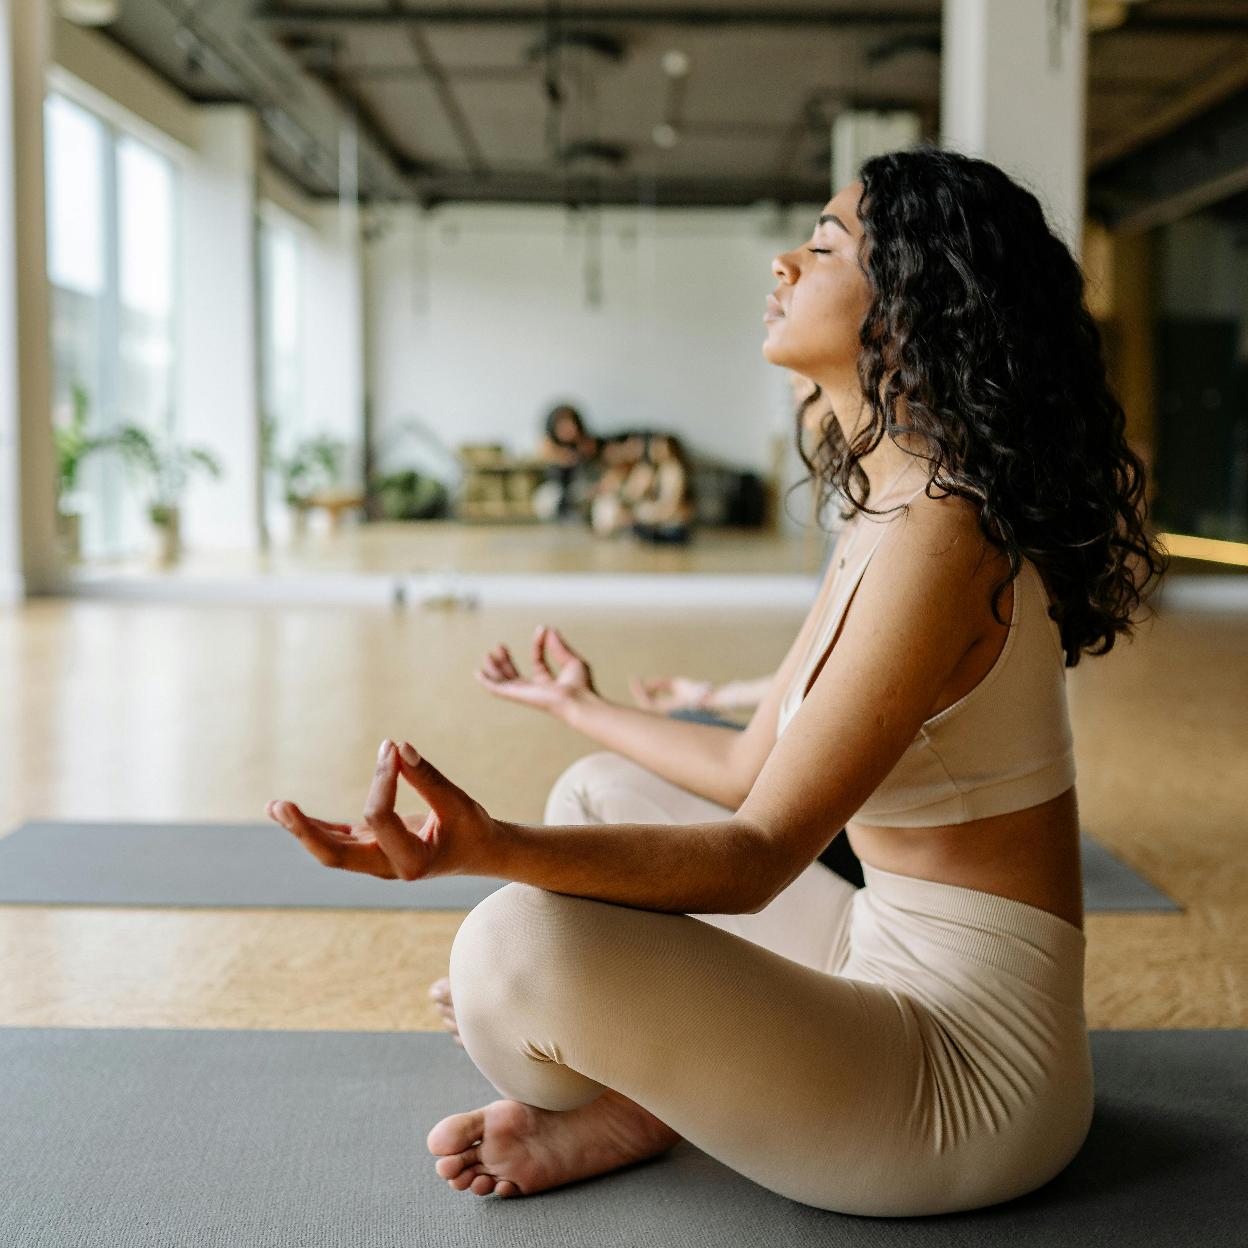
773, 307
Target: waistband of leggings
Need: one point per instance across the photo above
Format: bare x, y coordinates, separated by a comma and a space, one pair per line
1039, 939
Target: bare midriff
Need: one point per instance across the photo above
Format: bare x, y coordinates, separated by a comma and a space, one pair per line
1028, 855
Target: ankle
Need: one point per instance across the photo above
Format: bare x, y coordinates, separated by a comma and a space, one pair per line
630, 1116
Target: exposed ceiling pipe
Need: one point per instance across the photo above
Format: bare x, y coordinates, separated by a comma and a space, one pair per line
615, 15
205, 49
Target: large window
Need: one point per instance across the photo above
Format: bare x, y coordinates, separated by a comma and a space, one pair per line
110, 204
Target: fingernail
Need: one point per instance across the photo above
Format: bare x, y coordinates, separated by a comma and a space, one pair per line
381, 753
409, 755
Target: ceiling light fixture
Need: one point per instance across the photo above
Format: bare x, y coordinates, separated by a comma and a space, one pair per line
665, 135
675, 63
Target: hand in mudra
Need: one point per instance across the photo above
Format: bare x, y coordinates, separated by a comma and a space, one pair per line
546, 689
446, 841
669, 693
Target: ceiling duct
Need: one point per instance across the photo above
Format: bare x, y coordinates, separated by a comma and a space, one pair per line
613, 154
608, 47
928, 44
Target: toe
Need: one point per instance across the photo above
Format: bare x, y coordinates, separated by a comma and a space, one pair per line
483, 1184
506, 1188
456, 1133
449, 1167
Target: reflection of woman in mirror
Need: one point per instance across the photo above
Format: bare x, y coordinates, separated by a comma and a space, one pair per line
610, 508
567, 449
663, 510
668, 960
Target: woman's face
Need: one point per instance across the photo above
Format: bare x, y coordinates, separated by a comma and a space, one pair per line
821, 298
566, 428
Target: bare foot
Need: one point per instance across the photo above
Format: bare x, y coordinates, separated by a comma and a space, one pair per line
513, 1149
440, 992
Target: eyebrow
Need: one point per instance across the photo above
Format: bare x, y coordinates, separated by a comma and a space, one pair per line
831, 216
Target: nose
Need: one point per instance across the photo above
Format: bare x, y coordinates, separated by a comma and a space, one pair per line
784, 268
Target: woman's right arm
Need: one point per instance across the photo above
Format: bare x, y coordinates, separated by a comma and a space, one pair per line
720, 764
698, 757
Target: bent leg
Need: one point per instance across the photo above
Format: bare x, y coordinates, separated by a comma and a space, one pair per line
804, 1082
808, 922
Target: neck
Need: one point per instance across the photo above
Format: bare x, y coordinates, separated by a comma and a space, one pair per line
890, 468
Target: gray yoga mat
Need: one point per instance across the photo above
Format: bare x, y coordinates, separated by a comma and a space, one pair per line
144, 1138
60, 862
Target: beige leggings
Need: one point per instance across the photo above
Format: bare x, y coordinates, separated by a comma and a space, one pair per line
905, 1048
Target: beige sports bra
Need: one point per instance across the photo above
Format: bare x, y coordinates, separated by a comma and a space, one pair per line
1006, 745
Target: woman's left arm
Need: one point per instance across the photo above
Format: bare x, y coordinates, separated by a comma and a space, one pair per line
700, 868
683, 868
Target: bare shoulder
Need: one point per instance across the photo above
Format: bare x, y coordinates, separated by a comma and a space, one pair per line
946, 531
941, 564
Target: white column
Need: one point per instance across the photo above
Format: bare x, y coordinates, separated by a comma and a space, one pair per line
1014, 91
29, 560
217, 391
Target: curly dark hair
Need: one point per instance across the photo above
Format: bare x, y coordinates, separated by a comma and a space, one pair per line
978, 321
552, 422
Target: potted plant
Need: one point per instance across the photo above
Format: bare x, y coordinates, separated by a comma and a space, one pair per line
313, 466
409, 495
73, 444
169, 467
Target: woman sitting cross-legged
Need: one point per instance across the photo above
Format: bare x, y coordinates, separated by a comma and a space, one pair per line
667, 959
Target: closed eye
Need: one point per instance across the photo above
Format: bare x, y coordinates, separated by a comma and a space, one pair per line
822, 251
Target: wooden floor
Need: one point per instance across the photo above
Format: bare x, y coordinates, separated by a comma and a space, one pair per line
174, 711
439, 545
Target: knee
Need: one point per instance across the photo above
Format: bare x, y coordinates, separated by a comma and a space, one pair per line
514, 946
573, 796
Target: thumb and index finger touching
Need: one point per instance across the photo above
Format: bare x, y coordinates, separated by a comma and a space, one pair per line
423, 776
543, 636
392, 833
403, 759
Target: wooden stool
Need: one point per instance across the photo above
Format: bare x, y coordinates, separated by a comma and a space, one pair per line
335, 502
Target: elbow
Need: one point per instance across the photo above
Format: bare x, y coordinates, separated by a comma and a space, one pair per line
760, 866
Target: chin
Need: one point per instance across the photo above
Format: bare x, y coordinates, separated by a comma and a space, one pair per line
774, 353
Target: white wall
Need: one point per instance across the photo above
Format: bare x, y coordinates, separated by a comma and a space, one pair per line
480, 322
